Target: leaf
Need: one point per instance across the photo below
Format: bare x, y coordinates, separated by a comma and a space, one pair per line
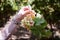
39, 25
35, 30
38, 21
46, 33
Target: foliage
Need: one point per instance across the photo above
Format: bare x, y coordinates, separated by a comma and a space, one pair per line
49, 8
39, 30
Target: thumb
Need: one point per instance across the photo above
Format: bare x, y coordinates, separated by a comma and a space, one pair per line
23, 9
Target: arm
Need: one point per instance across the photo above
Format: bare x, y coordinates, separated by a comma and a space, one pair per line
11, 24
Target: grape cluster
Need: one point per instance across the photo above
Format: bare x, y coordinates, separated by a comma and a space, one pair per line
27, 21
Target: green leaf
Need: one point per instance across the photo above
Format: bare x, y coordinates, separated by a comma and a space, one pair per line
46, 33
38, 21
39, 25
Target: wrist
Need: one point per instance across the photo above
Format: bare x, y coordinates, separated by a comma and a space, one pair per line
17, 17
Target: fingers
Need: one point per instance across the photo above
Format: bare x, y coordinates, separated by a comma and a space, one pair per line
23, 11
29, 11
26, 8
32, 11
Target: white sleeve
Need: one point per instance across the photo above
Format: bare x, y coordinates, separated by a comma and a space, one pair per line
1, 36
9, 27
